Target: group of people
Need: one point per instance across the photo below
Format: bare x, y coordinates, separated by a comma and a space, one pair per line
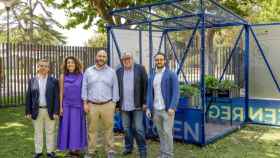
85, 103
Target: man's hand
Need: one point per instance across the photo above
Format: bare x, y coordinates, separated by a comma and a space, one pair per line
86, 107
117, 109
144, 107
28, 116
148, 114
55, 116
61, 111
171, 112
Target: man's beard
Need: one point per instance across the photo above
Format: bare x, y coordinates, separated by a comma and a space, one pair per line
100, 63
160, 66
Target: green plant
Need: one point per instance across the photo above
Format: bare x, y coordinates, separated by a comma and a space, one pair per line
226, 85
188, 90
211, 82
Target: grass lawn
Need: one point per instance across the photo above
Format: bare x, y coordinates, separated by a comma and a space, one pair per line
16, 141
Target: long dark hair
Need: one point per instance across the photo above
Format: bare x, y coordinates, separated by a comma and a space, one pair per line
78, 65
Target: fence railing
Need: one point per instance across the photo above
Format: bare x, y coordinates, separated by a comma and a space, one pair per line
214, 65
18, 65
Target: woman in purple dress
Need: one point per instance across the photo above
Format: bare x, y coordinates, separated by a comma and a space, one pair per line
72, 135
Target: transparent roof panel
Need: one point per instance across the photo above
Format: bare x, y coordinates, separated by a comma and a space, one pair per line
179, 14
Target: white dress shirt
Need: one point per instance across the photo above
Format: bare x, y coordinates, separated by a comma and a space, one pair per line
158, 98
42, 90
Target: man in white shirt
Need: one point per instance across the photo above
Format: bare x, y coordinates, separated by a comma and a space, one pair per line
42, 106
162, 99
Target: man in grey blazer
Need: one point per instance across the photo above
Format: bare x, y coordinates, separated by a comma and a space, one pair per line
132, 79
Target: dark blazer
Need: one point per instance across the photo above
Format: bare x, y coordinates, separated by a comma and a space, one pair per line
169, 90
52, 97
140, 85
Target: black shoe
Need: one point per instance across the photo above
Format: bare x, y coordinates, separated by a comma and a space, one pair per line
51, 155
127, 152
38, 155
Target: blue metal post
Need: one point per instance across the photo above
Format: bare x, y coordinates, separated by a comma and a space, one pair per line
140, 46
246, 71
108, 28
202, 67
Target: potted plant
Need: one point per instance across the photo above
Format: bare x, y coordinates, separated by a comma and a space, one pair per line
211, 85
225, 88
187, 92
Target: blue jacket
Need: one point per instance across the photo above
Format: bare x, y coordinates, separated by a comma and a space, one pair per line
32, 97
169, 90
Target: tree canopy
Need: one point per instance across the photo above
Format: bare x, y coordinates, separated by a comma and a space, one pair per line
31, 22
96, 12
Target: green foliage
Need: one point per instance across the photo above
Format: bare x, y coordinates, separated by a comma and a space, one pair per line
266, 11
226, 85
31, 22
97, 41
188, 90
96, 12
93, 12
211, 82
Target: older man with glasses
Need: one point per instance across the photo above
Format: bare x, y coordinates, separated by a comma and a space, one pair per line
132, 79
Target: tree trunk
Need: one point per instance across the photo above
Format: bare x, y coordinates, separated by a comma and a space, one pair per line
210, 56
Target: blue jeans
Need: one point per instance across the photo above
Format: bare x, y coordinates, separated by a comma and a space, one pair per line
134, 128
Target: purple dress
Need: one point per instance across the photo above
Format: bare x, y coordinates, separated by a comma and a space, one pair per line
72, 134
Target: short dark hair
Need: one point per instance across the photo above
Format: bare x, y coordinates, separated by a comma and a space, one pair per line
162, 54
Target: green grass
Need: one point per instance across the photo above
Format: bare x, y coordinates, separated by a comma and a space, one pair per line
12, 100
16, 141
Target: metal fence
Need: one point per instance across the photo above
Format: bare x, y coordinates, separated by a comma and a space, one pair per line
18, 65
215, 64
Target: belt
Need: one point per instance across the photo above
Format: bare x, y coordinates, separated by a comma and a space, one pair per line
100, 103
42, 107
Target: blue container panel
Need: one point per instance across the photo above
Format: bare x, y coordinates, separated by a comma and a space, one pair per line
188, 125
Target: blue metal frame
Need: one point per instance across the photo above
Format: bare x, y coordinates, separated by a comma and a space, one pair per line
202, 70
157, 20
144, 6
202, 24
226, 9
235, 19
246, 72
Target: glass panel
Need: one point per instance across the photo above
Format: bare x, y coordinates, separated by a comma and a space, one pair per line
261, 83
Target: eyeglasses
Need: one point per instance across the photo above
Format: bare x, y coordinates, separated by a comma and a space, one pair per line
41, 65
127, 58
159, 59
